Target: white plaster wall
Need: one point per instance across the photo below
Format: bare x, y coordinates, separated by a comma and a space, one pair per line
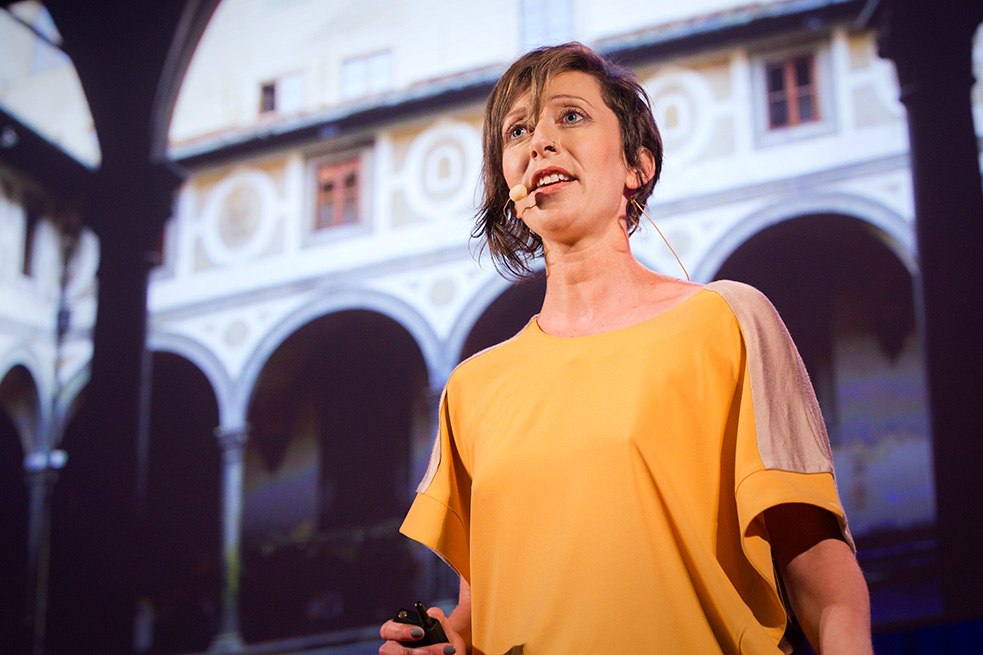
414, 245
598, 20
29, 302
249, 42
39, 85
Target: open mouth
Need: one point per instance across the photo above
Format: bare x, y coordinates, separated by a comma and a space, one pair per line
550, 178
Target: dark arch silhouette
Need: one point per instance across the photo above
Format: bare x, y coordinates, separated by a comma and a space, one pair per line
80, 561
20, 417
807, 264
506, 315
181, 565
331, 422
14, 610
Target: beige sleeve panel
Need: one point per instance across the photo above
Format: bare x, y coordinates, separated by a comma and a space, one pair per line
788, 424
435, 453
439, 517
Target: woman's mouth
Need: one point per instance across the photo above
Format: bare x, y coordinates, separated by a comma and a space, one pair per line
546, 180
554, 178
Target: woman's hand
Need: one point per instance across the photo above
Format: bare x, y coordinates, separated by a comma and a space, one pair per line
394, 633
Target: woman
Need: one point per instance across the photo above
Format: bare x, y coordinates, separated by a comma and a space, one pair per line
626, 473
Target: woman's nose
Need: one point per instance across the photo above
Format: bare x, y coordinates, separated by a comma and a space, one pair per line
543, 141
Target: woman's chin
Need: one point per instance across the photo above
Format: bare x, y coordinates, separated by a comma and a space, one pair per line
553, 225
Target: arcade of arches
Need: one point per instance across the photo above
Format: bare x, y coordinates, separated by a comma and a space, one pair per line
340, 429
852, 356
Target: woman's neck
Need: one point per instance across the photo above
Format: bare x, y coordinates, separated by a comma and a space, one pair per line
601, 287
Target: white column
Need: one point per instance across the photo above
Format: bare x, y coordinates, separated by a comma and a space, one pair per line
41, 472
233, 442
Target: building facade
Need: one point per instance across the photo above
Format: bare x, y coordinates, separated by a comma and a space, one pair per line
317, 284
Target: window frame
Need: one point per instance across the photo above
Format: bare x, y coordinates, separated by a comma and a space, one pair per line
312, 231
273, 88
367, 59
791, 92
765, 133
267, 90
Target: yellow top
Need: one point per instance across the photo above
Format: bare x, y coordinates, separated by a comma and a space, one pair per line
603, 494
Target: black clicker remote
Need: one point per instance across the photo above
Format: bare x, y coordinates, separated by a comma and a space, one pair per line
433, 633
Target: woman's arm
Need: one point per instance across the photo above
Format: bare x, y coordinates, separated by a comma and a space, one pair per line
824, 582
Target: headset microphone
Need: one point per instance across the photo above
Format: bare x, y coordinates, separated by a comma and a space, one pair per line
518, 192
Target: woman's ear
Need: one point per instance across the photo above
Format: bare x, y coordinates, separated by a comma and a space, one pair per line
646, 166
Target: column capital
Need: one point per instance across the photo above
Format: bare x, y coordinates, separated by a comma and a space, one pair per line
232, 439
41, 469
131, 200
930, 44
45, 460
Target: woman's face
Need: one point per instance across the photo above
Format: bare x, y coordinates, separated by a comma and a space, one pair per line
570, 160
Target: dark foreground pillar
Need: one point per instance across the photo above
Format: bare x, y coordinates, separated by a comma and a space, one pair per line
127, 210
931, 44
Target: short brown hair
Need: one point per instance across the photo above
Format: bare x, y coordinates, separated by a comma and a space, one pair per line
511, 243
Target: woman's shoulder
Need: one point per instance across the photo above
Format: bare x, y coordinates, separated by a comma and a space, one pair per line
757, 318
493, 356
739, 292
723, 299
744, 300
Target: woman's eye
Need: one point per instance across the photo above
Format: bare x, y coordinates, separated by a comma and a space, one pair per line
515, 132
572, 117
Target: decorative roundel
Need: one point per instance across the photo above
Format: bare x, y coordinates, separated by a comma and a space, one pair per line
442, 291
236, 333
685, 111
442, 166
239, 217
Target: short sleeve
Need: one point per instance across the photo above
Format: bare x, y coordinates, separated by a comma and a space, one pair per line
439, 517
782, 452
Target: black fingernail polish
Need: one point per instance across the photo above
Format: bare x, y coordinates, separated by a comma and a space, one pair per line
416, 632
449, 650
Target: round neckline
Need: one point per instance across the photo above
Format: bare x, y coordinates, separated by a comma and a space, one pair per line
537, 328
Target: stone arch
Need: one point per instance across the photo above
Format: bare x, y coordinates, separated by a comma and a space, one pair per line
401, 312
848, 299
527, 298
67, 402
32, 416
335, 417
204, 359
188, 31
180, 573
891, 228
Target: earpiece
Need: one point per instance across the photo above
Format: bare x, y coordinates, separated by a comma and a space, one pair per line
678, 261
